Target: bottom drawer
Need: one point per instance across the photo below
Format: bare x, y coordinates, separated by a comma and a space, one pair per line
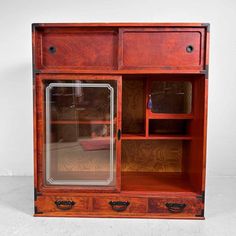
120, 205
173, 205
62, 204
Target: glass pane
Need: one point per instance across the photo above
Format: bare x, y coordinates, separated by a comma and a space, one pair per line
80, 127
171, 97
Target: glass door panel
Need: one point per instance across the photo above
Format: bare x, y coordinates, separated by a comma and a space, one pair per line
171, 97
80, 132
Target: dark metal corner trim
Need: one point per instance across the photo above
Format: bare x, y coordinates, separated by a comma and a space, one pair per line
35, 71
202, 197
201, 214
35, 25
36, 211
36, 194
207, 25
205, 71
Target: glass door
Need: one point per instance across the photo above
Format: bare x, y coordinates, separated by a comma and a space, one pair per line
174, 97
80, 132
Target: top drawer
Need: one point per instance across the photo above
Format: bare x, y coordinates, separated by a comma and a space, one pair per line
116, 48
162, 48
76, 48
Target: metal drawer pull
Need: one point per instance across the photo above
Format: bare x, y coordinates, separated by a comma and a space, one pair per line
119, 206
64, 205
175, 207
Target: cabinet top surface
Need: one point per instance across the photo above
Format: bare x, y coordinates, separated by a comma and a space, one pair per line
120, 24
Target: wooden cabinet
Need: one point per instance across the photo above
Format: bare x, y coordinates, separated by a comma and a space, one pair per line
120, 117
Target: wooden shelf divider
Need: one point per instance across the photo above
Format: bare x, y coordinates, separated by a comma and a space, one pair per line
160, 116
155, 137
85, 122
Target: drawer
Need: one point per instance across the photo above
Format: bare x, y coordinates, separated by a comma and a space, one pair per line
163, 48
78, 49
62, 204
173, 205
123, 205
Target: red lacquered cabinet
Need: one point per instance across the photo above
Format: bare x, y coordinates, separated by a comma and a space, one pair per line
120, 119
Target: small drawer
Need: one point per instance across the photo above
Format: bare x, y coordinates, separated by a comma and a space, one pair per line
78, 49
162, 48
120, 205
173, 205
62, 204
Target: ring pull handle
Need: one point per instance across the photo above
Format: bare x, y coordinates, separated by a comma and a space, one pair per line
119, 205
64, 205
175, 207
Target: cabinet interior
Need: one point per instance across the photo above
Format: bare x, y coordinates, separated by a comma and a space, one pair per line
161, 143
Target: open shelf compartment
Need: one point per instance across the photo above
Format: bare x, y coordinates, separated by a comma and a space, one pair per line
155, 166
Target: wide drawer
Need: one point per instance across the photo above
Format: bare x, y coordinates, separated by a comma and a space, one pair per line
77, 49
162, 48
49, 204
120, 205
175, 205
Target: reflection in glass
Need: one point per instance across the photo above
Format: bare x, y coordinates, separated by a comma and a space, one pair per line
171, 97
80, 121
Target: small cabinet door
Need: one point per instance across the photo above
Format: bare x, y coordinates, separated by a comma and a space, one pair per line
80, 123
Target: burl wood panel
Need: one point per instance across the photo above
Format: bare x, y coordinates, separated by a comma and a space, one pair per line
158, 205
137, 205
133, 113
79, 49
161, 48
151, 155
47, 203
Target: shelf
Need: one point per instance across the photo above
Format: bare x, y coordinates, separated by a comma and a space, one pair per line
132, 136
169, 137
155, 137
163, 116
154, 182
86, 122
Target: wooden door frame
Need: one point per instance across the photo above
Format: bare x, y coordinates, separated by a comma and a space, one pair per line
39, 135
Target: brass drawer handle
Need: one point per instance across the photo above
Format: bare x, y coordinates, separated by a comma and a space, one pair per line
119, 205
175, 207
64, 205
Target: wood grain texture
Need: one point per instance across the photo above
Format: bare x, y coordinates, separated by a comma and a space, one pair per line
158, 205
157, 48
136, 205
151, 156
144, 207
155, 182
133, 109
80, 49
151, 169
42, 184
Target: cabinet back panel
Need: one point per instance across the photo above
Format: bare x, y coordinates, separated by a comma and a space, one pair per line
133, 112
152, 155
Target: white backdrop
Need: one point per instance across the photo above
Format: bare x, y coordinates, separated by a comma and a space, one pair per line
16, 128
